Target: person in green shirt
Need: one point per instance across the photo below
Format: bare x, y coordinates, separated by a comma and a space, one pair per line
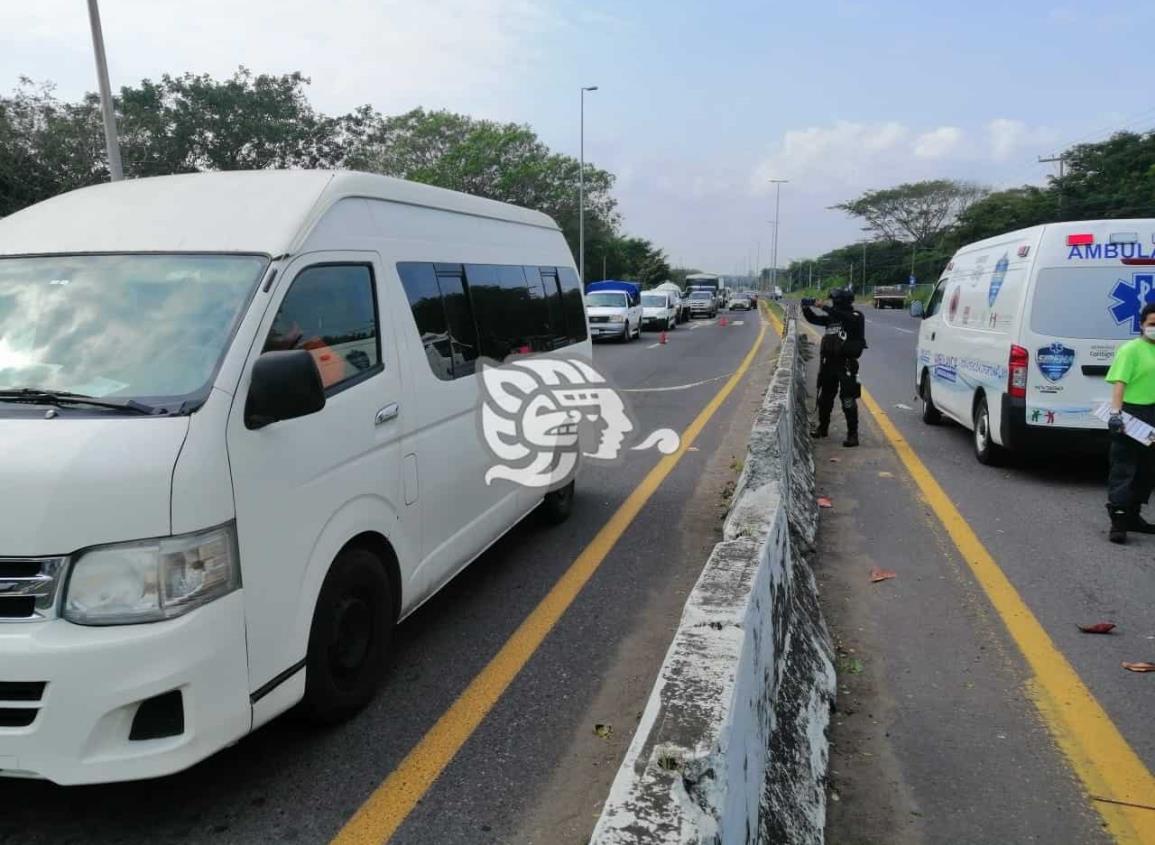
1132, 473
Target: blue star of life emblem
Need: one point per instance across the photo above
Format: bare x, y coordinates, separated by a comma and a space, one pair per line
1130, 297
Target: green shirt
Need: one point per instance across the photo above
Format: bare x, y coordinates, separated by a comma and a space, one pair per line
1134, 365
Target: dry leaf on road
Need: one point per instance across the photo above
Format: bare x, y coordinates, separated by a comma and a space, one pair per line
1098, 628
877, 575
604, 731
1139, 667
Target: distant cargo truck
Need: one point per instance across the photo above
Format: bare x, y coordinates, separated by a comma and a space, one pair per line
890, 296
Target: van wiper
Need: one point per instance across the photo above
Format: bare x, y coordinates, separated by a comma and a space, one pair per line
35, 396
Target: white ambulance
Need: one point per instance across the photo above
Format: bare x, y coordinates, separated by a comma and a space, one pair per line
1022, 328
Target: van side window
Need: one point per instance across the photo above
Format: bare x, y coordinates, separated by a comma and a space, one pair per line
573, 303
935, 303
464, 311
331, 310
420, 282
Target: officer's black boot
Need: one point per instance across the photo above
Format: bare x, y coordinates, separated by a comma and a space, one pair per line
850, 408
822, 429
1136, 522
1119, 522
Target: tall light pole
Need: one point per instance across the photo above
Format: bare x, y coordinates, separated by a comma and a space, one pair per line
864, 243
777, 183
115, 170
582, 189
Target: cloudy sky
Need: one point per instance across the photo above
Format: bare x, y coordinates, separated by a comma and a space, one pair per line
700, 103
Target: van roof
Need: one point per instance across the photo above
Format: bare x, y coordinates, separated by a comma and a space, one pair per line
258, 211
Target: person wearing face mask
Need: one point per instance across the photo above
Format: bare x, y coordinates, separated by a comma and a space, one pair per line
1132, 474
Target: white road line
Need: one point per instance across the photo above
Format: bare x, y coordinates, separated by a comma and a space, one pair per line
675, 387
737, 322
653, 346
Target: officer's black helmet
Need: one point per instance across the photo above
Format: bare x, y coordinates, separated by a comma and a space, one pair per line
842, 296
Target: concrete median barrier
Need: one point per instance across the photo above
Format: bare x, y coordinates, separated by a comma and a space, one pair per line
732, 744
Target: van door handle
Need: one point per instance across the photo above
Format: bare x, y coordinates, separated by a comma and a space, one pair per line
389, 412
932, 335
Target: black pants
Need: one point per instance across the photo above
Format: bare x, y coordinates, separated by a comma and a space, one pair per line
839, 376
1132, 474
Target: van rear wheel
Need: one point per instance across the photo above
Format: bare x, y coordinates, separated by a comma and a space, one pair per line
349, 638
557, 505
987, 451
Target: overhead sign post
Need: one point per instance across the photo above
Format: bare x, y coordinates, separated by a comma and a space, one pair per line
912, 281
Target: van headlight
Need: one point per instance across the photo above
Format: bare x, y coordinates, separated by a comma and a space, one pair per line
151, 580
617, 318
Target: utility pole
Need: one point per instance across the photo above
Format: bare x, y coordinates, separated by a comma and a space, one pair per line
777, 183
581, 188
810, 277
115, 169
1061, 158
864, 243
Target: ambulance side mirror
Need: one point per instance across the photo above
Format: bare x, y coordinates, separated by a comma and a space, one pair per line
916, 309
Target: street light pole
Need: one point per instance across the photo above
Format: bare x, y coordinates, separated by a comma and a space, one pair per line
777, 183
864, 243
582, 189
115, 170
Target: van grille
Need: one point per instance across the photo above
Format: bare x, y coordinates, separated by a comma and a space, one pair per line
599, 318
28, 588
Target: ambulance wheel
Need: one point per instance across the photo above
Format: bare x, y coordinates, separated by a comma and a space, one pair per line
557, 505
987, 451
930, 414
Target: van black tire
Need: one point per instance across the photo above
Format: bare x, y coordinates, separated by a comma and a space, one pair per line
349, 638
987, 451
931, 415
557, 505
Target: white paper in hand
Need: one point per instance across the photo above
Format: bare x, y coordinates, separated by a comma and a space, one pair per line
1135, 428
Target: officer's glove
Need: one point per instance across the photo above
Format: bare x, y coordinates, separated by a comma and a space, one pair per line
808, 303
1115, 423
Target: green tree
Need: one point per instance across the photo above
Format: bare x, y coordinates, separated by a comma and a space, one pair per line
914, 212
501, 161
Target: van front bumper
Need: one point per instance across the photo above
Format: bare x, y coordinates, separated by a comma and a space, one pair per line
599, 330
1020, 436
94, 682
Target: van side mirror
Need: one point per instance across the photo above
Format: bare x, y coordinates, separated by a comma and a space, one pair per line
284, 386
917, 309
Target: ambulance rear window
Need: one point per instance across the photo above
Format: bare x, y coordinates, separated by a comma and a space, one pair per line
1090, 302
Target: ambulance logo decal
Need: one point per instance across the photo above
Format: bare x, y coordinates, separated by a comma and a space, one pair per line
997, 278
1130, 297
1055, 361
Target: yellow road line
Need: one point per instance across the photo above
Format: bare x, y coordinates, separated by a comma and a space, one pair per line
1110, 770
392, 801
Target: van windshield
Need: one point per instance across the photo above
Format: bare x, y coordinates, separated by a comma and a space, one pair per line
653, 300
1090, 302
145, 327
606, 300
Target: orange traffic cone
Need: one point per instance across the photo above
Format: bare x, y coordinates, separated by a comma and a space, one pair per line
723, 321
662, 338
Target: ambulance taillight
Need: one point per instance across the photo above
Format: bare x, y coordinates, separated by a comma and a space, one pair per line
1017, 380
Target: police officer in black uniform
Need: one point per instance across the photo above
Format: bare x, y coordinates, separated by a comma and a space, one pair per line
841, 346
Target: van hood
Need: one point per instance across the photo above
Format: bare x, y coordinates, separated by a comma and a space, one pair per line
605, 310
73, 482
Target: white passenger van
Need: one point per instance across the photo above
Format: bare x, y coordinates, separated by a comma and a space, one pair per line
239, 440
1022, 328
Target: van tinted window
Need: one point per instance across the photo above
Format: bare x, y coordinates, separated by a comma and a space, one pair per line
331, 310
420, 282
573, 304
495, 310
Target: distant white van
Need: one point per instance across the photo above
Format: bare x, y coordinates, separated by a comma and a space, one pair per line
1022, 328
239, 417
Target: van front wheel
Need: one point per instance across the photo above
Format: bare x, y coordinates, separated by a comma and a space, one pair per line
349, 638
987, 451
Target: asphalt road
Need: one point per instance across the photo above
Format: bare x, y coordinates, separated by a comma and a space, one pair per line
937, 739
535, 770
